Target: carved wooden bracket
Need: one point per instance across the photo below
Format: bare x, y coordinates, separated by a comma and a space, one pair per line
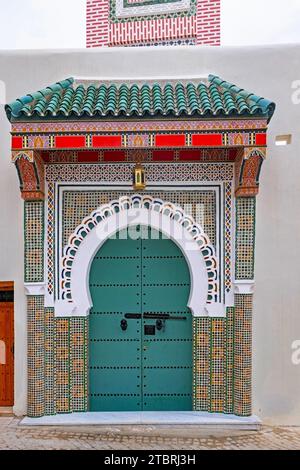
248, 167
30, 168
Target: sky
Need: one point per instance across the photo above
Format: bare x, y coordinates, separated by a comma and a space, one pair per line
51, 24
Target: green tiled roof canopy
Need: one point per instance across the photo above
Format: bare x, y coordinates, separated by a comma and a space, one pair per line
64, 100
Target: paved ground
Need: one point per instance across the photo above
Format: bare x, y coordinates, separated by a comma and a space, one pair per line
13, 436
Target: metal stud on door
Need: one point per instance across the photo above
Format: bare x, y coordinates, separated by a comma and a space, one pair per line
140, 327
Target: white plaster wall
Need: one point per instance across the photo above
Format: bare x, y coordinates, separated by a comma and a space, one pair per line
268, 71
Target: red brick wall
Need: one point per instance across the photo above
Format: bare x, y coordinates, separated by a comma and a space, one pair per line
204, 27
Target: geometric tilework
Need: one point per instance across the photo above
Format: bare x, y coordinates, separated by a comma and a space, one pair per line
170, 42
227, 234
222, 360
36, 356
217, 365
79, 363
184, 172
201, 335
150, 12
50, 237
62, 365
243, 355
213, 363
200, 204
57, 361
50, 392
229, 360
245, 238
34, 241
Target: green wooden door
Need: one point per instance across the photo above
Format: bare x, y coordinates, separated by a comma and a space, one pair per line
140, 326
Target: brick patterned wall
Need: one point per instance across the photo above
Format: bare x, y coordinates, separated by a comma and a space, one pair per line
97, 28
209, 22
204, 26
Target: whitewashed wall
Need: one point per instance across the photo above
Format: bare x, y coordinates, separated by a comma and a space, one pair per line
268, 71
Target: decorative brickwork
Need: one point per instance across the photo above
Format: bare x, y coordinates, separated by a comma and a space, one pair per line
97, 32
209, 22
118, 22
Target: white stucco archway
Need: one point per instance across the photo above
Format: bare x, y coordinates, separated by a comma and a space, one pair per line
125, 212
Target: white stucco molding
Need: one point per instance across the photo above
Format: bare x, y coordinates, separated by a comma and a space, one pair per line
244, 286
215, 310
35, 288
120, 214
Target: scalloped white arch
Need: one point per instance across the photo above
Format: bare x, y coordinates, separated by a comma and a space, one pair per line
129, 211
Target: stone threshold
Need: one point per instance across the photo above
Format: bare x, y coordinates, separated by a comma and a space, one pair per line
146, 418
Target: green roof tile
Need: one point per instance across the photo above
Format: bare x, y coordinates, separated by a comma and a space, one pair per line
65, 100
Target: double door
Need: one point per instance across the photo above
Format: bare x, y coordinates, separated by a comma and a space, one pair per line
140, 346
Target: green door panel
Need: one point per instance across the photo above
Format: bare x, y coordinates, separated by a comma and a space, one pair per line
110, 272
172, 271
113, 354
109, 380
134, 369
114, 298
163, 298
166, 353
115, 402
168, 402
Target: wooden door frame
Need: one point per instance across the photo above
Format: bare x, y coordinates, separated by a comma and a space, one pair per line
6, 286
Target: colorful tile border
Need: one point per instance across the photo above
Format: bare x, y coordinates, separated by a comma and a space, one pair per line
123, 140
34, 241
138, 126
242, 366
245, 238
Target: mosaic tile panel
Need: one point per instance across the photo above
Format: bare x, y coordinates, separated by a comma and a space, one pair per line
62, 363
200, 204
175, 42
79, 359
49, 328
36, 356
176, 172
50, 237
34, 241
229, 360
217, 365
227, 235
245, 238
201, 362
243, 355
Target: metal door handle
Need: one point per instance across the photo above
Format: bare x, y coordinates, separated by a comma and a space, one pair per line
162, 316
133, 316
